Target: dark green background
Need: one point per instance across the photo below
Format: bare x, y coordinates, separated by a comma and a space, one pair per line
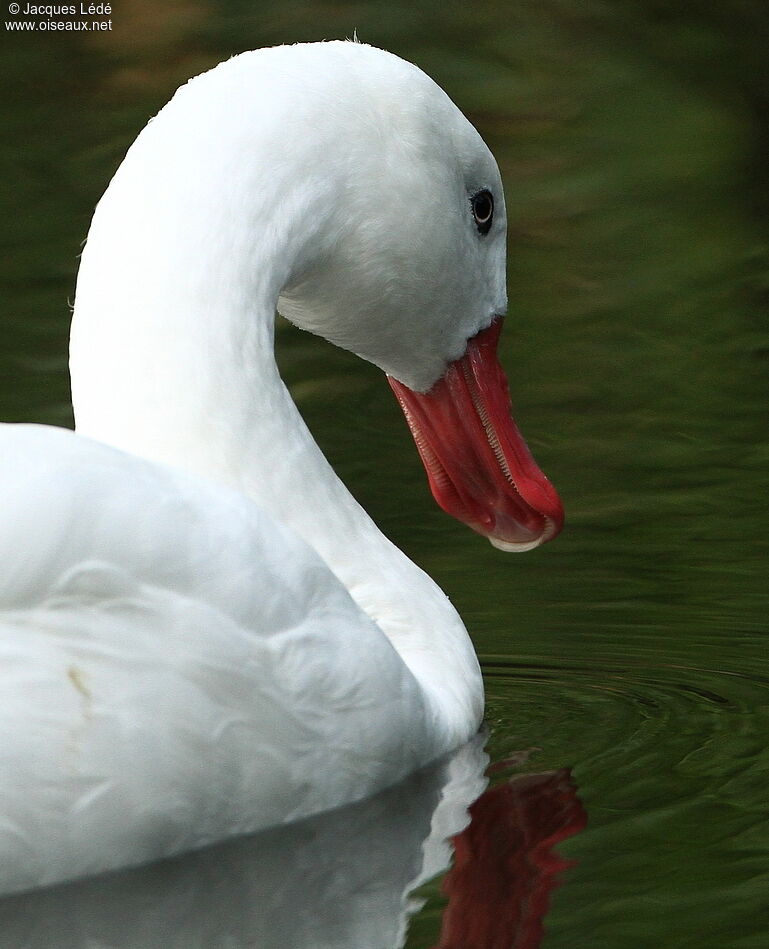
632, 138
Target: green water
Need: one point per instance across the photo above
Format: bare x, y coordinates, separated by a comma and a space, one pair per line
632, 142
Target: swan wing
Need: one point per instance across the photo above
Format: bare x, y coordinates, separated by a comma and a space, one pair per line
177, 667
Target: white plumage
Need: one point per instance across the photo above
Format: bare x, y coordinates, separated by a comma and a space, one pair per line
176, 667
201, 632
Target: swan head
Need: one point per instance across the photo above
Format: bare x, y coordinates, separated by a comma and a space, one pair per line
343, 184
400, 272
407, 270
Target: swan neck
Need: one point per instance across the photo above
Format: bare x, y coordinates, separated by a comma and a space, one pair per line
172, 359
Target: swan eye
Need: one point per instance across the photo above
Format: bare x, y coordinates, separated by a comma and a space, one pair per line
482, 203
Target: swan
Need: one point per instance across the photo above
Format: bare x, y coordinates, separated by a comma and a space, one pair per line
201, 632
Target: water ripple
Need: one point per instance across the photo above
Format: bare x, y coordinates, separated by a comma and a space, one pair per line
671, 763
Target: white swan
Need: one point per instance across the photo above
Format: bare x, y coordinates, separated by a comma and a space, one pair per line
202, 633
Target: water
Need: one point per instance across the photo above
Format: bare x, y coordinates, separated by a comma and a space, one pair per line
633, 650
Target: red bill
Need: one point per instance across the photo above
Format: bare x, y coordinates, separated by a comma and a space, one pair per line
479, 467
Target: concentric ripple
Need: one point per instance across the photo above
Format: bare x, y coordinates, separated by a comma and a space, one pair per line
671, 764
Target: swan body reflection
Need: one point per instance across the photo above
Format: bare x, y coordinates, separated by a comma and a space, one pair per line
337, 880
340, 880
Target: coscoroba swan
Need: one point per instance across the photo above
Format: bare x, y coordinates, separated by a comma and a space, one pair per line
202, 632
